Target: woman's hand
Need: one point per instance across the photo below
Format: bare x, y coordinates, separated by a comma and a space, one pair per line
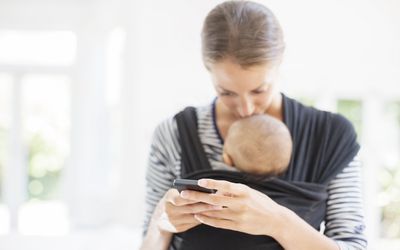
176, 214
173, 214
243, 208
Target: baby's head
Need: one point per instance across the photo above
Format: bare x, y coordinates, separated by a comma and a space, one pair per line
258, 144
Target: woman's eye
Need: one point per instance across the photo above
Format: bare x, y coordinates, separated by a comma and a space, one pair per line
227, 94
258, 92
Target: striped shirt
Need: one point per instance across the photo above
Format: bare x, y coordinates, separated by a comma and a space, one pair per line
344, 221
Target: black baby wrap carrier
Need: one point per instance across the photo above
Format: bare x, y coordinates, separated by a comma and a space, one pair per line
323, 144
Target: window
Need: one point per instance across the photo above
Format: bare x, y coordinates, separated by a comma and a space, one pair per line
389, 174
5, 118
45, 116
308, 101
34, 89
352, 110
52, 48
386, 133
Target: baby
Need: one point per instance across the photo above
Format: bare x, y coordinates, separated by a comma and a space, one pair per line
258, 144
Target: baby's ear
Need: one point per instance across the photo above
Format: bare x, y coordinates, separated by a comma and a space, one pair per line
227, 159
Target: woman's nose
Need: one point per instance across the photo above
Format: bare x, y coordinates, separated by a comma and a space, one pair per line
246, 107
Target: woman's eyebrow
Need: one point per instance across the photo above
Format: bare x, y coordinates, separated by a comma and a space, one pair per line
227, 90
260, 86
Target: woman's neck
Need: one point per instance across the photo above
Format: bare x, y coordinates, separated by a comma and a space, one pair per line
276, 107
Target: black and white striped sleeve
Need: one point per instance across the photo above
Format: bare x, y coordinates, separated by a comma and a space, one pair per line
344, 220
162, 167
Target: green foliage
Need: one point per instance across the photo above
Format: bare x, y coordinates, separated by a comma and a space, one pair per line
352, 110
389, 180
306, 100
45, 167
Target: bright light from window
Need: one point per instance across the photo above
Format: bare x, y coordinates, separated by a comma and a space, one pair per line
389, 174
5, 120
37, 48
46, 119
5, 94
115, 48
48, 218
4, 220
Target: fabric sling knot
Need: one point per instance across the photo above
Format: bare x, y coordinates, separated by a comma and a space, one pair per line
323, 144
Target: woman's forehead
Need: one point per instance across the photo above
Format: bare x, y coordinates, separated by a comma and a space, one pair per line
226, 74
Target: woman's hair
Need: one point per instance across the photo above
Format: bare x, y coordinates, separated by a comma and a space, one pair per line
246, 32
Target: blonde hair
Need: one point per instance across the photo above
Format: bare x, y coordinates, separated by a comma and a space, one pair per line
244, 31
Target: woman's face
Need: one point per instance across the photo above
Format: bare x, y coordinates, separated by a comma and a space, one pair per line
244, 92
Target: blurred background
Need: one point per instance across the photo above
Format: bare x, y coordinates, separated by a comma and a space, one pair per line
83, 83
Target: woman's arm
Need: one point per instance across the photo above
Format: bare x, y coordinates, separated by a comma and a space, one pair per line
294, 233
155, 238
344, 220
167, 212
160, 171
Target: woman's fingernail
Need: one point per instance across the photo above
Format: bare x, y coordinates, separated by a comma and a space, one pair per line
184, 194
202, 183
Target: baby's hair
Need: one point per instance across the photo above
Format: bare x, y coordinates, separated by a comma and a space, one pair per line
255, 140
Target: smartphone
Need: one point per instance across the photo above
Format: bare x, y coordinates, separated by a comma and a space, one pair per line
187, 184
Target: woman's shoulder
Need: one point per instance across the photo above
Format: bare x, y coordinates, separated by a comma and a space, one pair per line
342, 123
168, 126
324, 118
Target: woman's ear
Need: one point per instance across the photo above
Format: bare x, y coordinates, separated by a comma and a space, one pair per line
227, 159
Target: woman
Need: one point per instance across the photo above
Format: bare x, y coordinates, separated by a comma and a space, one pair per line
242, 46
